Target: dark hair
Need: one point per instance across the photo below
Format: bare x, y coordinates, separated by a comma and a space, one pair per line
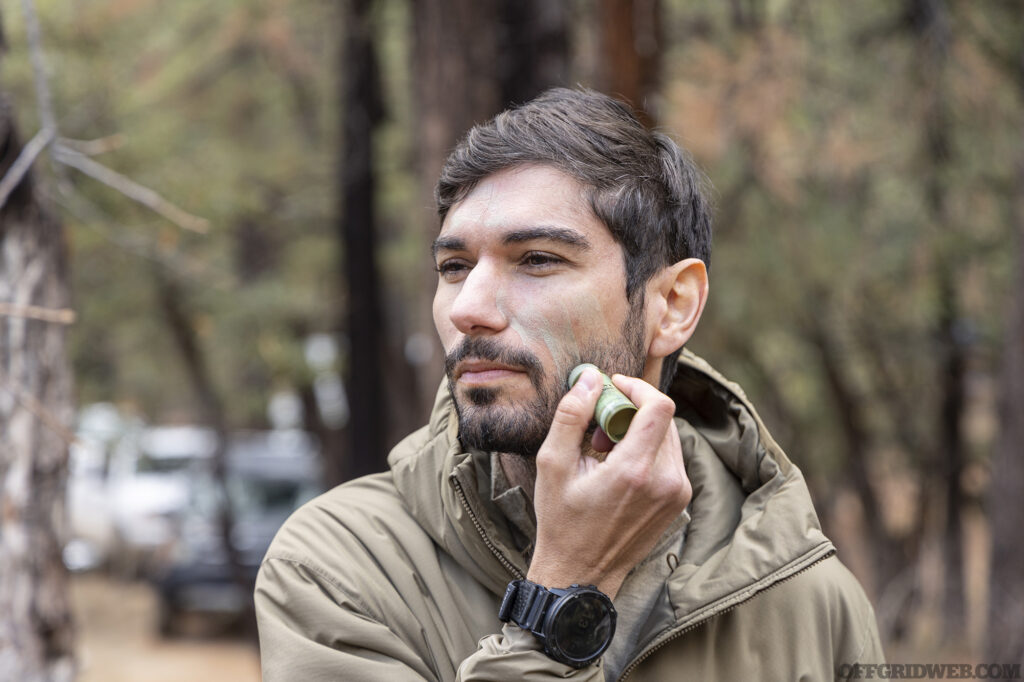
641, 184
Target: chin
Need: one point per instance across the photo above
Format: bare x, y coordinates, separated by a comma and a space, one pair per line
480, 396
510, 397
482, 431
494, 427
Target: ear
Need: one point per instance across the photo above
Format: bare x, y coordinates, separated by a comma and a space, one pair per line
680, 292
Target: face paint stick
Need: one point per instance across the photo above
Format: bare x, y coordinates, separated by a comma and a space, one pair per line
614, 411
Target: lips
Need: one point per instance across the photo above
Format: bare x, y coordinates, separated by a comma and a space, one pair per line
480, 371
482, 361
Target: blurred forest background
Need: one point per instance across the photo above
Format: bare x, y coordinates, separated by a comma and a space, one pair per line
237, 206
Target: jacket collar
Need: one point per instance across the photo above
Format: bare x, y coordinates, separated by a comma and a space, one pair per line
752, 518
753, 522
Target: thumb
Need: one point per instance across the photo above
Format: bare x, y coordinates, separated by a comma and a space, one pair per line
575, 410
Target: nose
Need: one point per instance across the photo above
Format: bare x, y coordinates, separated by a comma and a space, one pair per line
476, 308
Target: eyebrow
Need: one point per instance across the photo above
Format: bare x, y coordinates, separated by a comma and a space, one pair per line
558, 234
447, 244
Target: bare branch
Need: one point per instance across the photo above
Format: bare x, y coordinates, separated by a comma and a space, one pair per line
131, 189
34, 312
100, 145
93, 218
35, 42
29, 402
24, 161
68, 155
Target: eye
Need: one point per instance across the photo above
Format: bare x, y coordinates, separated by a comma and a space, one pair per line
539, 260
452, 269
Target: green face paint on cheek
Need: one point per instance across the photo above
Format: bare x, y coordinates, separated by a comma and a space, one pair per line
587, 309
535, 327
555, 326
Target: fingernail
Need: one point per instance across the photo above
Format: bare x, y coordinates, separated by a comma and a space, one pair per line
590, 379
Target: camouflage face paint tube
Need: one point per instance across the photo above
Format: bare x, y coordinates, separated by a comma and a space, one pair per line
614, 411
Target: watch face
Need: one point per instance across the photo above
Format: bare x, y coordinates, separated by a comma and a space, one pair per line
582, 627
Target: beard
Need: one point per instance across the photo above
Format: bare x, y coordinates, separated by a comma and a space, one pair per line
520, 429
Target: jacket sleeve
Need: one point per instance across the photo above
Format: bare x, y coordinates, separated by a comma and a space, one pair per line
313, 631
310, 630
515, 654
864, 646
854, 626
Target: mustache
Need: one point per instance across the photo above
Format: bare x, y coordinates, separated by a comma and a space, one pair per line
491, 350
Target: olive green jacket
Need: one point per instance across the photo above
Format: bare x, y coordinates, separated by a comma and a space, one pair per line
398, 576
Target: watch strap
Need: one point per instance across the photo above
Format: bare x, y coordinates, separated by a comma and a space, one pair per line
525, 604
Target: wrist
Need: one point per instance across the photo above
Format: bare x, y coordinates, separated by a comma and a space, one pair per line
553, 576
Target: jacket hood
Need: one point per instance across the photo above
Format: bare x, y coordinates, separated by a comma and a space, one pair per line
752, 520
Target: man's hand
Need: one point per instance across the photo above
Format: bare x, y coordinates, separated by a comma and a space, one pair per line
597, 520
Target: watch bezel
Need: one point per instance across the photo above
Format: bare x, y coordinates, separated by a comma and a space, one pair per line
565, 598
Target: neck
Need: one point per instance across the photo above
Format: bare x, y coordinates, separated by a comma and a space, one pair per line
520, 471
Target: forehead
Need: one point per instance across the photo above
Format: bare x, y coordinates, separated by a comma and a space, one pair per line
525, 197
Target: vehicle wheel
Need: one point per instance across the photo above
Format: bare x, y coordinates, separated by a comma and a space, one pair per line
167, 622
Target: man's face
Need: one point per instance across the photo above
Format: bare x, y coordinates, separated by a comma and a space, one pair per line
530, 284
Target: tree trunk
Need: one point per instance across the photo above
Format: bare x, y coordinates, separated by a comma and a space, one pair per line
930, 23
629, 59
853, 422
361, 112
533, 48
951, 445
472, 58
212, 411
36, 629
1006, 496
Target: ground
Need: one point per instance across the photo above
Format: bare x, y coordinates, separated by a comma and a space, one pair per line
118, 640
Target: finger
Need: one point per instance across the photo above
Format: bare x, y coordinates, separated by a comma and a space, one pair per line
575, 411
670, 467
600, 441
670, 454
637, 390
647, 431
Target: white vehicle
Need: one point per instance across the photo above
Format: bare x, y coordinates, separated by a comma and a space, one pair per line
132, 491
149, 487
90, 534
268, 475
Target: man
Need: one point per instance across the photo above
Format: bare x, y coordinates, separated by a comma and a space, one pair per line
511, 539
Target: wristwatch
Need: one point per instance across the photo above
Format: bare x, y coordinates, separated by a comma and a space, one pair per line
575, 624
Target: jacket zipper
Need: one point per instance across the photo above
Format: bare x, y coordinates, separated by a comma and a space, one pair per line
648, 652
692, 626
516, 573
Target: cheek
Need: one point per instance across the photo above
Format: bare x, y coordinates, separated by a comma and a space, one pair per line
574, 320
531, 318
594, 316
559, 327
